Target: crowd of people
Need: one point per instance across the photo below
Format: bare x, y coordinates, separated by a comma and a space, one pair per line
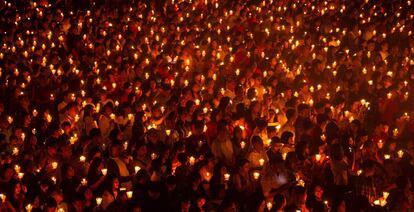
206, 105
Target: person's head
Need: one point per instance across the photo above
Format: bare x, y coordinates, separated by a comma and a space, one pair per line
257, 143
88, 194
115, 135
67, 171
338, 204
95, 134
66, 127
368, 168
17, 188
115, 149
287, 138
7, 172
57, 195
303, 110
72, 109
88, 110
108, 109
222, 128
185, 204
152, 136
113, 183
243, 165
299, 195
318, 192
171, 182
290, 114
51, 204
141, 150
154, 190
142, 177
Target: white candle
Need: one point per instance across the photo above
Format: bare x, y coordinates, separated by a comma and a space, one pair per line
227, 177
129, 194
256, 175
261, 162
98, 200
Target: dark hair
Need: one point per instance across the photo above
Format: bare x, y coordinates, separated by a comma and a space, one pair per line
241, 163
256, 139
286, 136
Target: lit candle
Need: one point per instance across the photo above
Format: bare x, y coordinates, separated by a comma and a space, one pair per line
34, 113
387, 156
10, 119
400, 153
49, 118
323, 137
54, 165
227, 177
153, 156
53, 178
380, 144
129, 194
17, 168
20, 175
395, 132
237, 72
137, 168
104, 171
317, 157
261, 161
269, 206
192, 160
15, 151
268, 142
29, 207
3, 197
82, 158
256, 175
98, 201
84, 182
385, 194
242, 144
